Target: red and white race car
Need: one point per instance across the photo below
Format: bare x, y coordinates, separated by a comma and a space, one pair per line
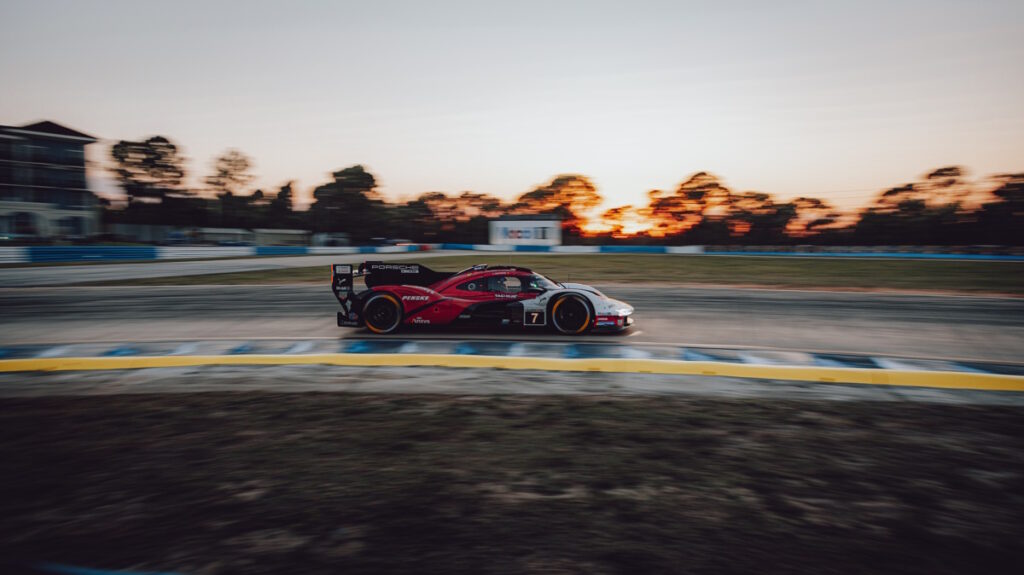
412, 294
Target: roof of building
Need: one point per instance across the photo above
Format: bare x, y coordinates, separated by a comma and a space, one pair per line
48, 127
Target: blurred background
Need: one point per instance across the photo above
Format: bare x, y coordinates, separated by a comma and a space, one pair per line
815, 209
657, 123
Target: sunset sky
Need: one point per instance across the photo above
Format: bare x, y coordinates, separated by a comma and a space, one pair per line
829, 99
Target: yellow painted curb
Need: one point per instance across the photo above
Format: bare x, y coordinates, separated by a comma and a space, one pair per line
940, 379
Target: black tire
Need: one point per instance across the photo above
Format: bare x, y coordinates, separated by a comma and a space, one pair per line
571, 314
382, 313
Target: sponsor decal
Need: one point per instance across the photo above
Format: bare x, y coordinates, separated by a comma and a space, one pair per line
537, 233
420, 320
607, 320
402, 268
415, 297
610, 320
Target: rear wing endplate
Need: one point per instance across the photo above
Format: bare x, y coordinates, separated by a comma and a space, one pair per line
343, 286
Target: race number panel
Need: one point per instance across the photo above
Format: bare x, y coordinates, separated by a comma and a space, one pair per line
534, 318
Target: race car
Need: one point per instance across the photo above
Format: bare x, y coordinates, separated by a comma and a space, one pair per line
401, 294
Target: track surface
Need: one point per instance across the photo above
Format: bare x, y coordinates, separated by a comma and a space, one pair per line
955, 327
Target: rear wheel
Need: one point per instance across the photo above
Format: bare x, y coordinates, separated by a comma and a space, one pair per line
382, 313
571, 315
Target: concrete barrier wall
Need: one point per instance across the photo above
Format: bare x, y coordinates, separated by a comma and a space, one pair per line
32, 254
89, 253
201, 252
13, 255
28, 254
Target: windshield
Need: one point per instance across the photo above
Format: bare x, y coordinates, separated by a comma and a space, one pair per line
537, 281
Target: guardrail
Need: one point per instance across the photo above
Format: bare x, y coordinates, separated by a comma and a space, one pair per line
575, 249
43, 254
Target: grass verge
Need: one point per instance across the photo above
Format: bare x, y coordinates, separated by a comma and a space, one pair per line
967, 276
326, 483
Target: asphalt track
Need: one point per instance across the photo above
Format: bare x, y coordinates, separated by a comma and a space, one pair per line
980, 328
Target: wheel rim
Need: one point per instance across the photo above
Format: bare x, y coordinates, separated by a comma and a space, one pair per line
381, 314
571, 315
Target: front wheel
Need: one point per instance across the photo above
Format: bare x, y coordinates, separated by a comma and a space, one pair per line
382, 314
570, 315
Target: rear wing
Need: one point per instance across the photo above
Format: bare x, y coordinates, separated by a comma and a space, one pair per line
381, 273
384, 273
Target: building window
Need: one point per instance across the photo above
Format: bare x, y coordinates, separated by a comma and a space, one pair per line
74, 226
22, 152
23, 175
25, 224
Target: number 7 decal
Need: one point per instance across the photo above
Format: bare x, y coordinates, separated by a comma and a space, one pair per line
534, 318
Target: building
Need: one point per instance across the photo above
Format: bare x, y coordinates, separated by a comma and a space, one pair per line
43, 190
526, 230
275, 237
146, 233
331, 239
224, 236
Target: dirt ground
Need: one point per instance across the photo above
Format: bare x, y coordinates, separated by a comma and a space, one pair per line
261, 482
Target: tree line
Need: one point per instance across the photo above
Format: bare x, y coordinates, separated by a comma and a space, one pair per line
943, 208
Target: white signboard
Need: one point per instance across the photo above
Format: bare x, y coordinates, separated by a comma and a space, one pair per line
526, 232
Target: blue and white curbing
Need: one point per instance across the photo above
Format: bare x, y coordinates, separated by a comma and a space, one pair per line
507, 348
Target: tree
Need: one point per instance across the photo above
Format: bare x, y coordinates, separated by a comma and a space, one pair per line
931, 211
570, 196
756, 218
437, 216
230, 173
471, 205
947, 185
349, 204
614, 220
279, 210
812, 216
149, 169
1002, 221
699, 197
415, 220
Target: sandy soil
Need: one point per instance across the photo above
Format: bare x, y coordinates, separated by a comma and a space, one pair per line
261, 482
